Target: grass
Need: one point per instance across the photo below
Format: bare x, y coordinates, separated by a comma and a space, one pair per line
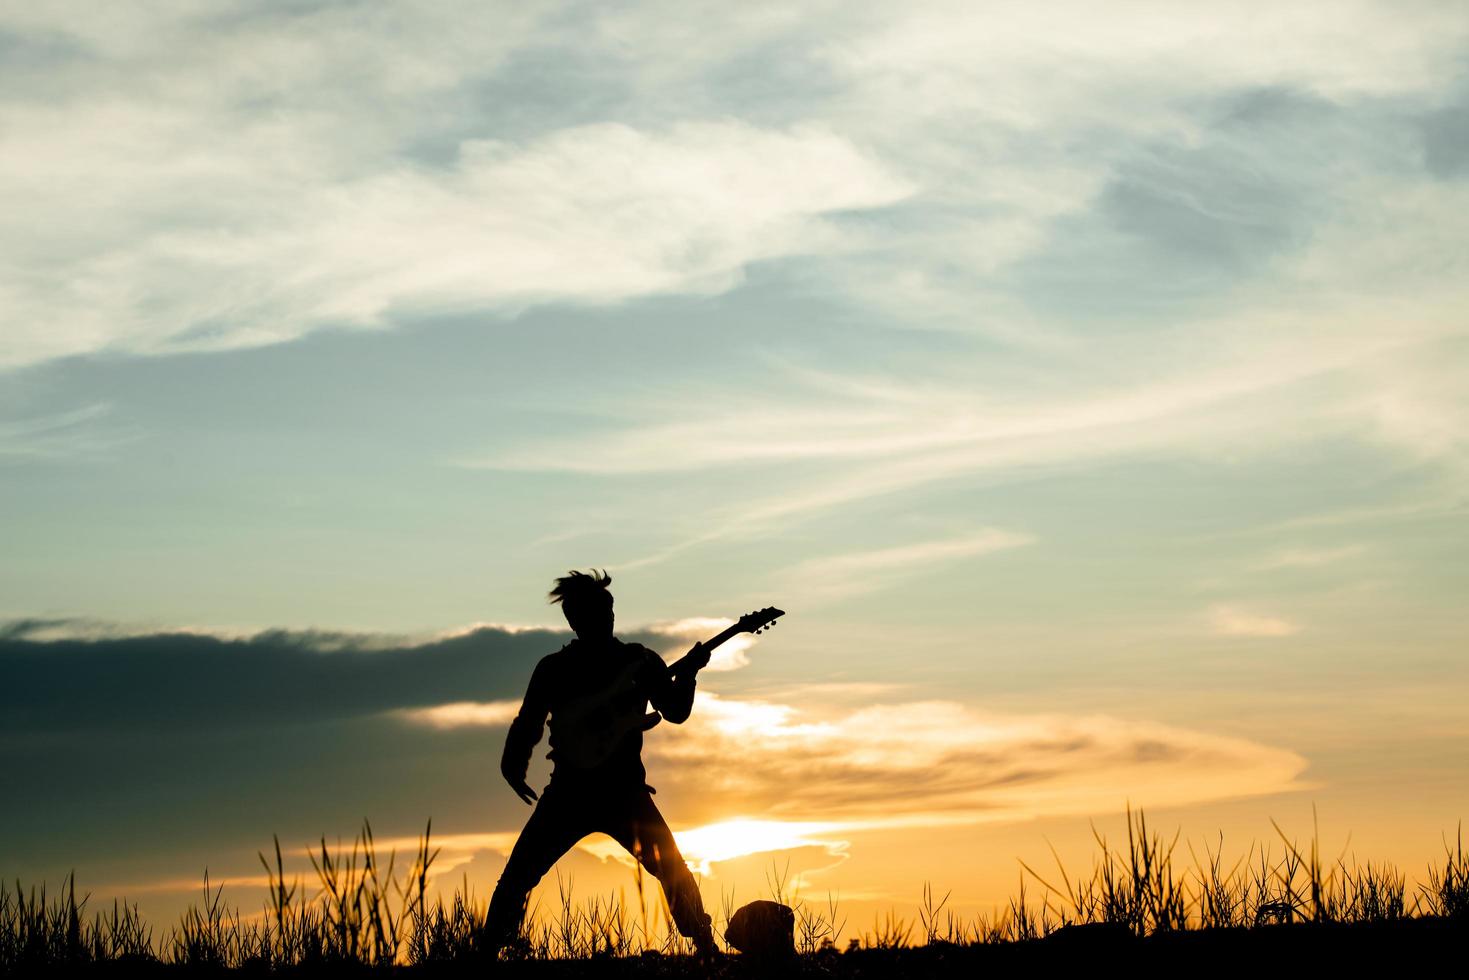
365, 912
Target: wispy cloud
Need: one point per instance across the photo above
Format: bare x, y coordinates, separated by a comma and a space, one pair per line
944, 762
1234, 621
1308, 557
1444, 499
796, 777
462, 714
940, 420
62, 435
922, 432
596, 213
853, 573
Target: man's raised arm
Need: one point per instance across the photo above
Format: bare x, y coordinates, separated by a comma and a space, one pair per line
674, 697
525, 731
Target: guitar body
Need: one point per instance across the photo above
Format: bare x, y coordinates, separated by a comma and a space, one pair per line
587, 729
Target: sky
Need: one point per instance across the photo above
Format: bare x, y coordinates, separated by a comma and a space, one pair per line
1087, 384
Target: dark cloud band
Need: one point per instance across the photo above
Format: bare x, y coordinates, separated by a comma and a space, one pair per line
171, 681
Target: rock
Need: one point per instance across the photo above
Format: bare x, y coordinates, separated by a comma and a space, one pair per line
763, 929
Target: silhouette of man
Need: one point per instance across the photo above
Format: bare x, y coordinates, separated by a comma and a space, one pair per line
609, 795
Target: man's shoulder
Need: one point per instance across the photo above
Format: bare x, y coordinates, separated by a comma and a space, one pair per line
636, 651
553, 660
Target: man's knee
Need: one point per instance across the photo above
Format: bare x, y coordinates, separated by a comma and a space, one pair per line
660, 857
676, 873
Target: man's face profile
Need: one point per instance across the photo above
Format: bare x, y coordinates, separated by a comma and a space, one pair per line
591, 618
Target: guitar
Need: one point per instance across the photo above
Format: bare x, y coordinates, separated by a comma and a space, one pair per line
587, 729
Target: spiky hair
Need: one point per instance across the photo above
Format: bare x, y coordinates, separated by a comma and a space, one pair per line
578, 587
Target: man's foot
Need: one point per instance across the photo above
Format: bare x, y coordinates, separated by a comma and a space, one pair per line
519, 948
705, 949
491, 947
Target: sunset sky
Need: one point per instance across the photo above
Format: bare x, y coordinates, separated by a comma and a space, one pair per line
1087, 382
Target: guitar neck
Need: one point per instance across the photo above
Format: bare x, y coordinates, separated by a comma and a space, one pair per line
683, 662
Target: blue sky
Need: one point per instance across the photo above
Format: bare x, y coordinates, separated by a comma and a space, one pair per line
1071, 378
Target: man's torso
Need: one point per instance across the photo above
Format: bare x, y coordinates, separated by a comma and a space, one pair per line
591, 686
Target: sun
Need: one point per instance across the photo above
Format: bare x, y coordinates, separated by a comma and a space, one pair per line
733, 838
740, 836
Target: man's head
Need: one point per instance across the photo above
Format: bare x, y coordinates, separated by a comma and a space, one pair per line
587, 603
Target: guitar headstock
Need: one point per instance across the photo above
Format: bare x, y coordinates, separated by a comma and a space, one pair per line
760, 620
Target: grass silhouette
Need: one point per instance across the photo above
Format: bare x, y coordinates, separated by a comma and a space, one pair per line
367, 913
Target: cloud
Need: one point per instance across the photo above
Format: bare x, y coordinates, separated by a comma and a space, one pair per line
193, 680
62, 435
940, 762
1229, 397
1190, 286
188, 744
732, 654
843, 575
1233, 621
187, 180
1014, 52
1308, 557
217, 243
463, 714
758, 776
78, 676
942, 752
1163, 222
945, 423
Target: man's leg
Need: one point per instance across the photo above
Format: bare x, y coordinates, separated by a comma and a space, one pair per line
555, 825
639, 827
